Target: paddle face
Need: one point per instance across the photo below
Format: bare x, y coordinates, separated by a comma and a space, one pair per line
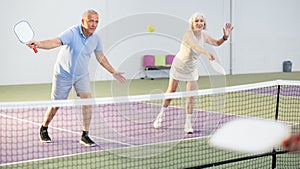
217, 67
24, 32
250, 135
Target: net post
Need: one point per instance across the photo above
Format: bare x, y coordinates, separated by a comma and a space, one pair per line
277, 102
276, 118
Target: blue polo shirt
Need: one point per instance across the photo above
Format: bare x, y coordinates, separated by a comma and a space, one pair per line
73, 57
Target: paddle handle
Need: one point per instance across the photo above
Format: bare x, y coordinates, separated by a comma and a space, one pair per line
287, 142
35, 49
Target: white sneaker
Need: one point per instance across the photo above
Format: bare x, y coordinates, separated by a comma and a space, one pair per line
188, 128
158, 120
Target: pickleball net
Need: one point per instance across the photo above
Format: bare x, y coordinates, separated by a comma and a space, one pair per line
123, 129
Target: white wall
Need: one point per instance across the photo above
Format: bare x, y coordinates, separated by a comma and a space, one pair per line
170, 21
19, 65
265, 34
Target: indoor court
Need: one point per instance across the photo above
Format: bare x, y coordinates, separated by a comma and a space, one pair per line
245, 53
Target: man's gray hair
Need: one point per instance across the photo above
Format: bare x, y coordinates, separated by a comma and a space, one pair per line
90, 11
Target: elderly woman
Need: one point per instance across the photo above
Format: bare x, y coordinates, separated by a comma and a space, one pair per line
185, 64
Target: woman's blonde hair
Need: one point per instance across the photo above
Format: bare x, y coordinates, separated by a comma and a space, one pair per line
194, 16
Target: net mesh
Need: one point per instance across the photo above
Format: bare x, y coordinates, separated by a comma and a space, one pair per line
123, 129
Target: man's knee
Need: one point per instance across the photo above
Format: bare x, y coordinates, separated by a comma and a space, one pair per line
85, 95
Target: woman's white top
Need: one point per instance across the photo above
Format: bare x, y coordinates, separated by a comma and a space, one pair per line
185, 64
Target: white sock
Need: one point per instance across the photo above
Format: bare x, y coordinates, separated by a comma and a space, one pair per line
188, 118
162, 111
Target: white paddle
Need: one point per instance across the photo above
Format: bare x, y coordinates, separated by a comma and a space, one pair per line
250, 135
24, 32
217, 67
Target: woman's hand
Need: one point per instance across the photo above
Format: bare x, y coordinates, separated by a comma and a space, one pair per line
210, 56
227, 30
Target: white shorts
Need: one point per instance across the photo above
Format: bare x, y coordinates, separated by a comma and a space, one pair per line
61, 86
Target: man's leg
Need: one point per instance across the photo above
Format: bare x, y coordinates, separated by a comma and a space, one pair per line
61, 88
82, 87
86, 121
86, 112
50, 113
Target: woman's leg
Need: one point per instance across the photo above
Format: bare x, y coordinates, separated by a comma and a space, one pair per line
171, 88
190, 86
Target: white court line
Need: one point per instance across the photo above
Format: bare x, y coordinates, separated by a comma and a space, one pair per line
128, 146
112, 149
60, 129
96, 151
74, 154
